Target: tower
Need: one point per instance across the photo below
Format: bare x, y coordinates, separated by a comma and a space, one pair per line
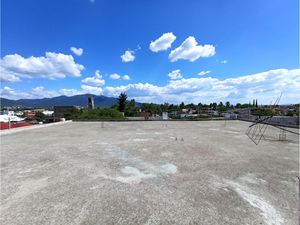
91, 104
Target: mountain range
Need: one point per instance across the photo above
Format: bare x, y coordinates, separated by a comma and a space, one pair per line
76, 100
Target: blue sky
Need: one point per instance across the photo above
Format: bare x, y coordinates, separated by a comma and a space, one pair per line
241, 49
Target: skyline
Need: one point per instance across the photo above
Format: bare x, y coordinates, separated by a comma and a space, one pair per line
171, 51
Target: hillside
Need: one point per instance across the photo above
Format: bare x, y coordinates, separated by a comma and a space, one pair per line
76, 100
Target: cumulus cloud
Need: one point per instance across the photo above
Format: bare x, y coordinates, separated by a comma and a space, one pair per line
5, 76
7, 92
51, 66
264, 86
202, 73
175, 74
224, 61
37, 92
95, 81
91, 89
128, 56
163, 42
126, 77
190, 50
42, 92
77, 51
114, 76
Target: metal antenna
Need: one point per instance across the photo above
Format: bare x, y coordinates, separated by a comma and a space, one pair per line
257, 130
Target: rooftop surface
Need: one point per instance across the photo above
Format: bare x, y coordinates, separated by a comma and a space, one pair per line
148, 173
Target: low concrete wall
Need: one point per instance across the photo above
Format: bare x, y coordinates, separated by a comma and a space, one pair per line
288, 121
135, 118
20, 129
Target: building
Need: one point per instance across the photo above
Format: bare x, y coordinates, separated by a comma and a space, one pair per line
165, 116
48, 113
145, 115
230, 116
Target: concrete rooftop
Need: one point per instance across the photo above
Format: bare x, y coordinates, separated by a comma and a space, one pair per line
148, 173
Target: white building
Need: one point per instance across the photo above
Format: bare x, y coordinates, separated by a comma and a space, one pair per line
9, 116
48, 113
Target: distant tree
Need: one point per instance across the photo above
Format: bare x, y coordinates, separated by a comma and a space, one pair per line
290, 113
191, 106
181, 106
205, 106
173, 108
238, 105
200, 107
246, 105
131, 109
262, 112
98, 114
221, 107
122, 101
115, 106
39, 116
227, 105
256, 103
214, 105
164, 107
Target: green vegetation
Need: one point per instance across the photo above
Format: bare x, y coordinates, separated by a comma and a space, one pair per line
131, 109
39, 116
262, 112
122, 101
96, 114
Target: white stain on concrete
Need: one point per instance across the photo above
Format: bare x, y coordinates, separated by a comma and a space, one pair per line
270, 214
140, 139
251, 179
137, 169
242, 188
134, 175
169, 168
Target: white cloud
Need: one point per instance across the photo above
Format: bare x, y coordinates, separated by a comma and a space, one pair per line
9, 77
202, 73
224, 61
175, 74
92, 90
51, 66
114, 76
7, 92
163, 42
77, 51
95, 81
190, 50
126, 77
37, 92
128, 56
263, 86
41, 92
